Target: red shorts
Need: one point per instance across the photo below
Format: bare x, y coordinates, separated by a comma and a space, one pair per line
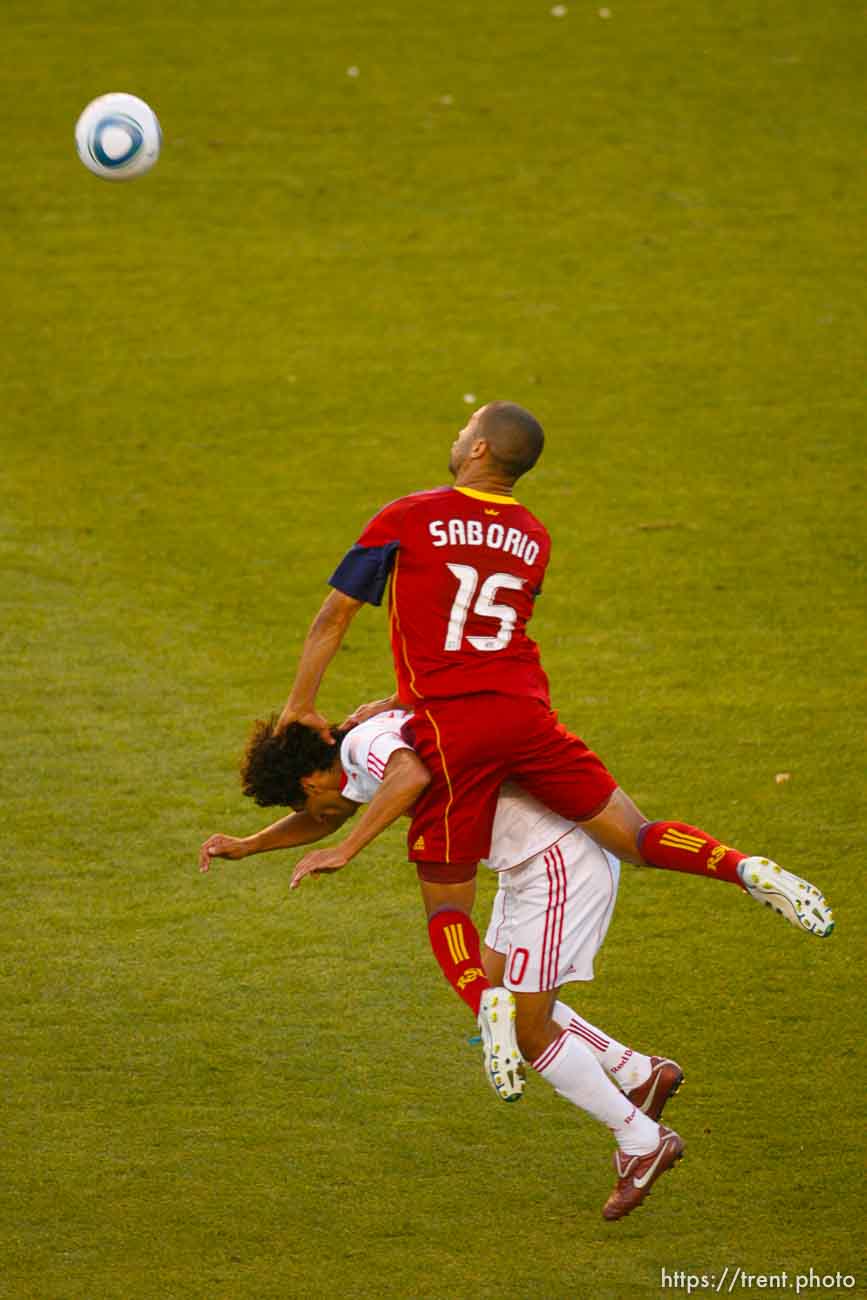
471, 745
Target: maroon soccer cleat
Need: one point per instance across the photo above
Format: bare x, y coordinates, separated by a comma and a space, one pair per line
637, 1174
663, 1082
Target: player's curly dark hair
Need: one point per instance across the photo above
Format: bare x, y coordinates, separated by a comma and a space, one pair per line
274, 762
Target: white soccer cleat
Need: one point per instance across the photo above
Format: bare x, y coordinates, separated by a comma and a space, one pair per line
500, 1044
795, 899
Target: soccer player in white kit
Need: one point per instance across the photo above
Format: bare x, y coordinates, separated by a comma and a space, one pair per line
556, 895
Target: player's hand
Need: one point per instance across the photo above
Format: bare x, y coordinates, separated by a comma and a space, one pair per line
318, 862
365, 711
308, 718
221, 846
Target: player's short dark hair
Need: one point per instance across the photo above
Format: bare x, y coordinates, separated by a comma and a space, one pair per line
275, 762
515, 437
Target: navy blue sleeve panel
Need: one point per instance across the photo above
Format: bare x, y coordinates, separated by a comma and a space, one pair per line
364, 571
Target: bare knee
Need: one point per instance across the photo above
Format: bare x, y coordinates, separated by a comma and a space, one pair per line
616, 827
459, 895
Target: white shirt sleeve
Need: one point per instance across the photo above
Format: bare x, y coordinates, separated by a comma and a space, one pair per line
365, 752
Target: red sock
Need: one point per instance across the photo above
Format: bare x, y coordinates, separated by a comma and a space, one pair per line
455, 941
674, 846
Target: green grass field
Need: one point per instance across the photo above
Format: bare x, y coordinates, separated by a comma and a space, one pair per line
648, 227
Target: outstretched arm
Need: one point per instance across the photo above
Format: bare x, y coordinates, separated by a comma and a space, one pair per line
323, 641
287, 833
405, 778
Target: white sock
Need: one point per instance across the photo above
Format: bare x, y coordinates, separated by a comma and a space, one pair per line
574, 1072
627, 1067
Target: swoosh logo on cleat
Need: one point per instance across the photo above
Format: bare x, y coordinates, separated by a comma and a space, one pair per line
638, 1183
648, 1101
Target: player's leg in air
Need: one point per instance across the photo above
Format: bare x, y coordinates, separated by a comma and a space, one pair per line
549, 918
457, 947
675, 846
562, 773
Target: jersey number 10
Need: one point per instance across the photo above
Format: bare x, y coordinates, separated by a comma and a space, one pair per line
468, 581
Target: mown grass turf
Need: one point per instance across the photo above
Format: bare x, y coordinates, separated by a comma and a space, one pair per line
647, 227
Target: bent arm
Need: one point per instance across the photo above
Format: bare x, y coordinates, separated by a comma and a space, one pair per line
322, 643
405, 778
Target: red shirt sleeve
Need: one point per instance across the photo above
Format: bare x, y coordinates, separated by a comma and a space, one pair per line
364, 571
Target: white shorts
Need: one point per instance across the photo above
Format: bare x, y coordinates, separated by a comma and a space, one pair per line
552, 912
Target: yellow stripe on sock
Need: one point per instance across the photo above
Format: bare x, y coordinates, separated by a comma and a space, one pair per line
683, 835
457, 947
676, 840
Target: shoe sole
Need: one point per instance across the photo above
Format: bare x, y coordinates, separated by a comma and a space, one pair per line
819, 925
807, 911
504, 1073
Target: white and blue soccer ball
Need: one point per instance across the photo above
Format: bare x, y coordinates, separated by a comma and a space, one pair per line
118, 137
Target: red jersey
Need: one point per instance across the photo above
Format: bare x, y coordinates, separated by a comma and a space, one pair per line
465, 568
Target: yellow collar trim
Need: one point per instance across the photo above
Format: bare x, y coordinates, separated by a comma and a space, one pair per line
488, 496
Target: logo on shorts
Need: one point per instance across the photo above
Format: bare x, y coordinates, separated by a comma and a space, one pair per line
418, 847
469, 976
717, 856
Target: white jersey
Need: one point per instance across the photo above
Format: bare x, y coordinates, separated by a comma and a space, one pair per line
556, 887
523, 827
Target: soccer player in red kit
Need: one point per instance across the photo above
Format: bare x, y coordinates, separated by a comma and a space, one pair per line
463, 566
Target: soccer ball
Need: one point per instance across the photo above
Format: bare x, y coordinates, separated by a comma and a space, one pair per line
118, 137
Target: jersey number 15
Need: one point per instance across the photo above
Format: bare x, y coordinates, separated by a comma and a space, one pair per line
468, 582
